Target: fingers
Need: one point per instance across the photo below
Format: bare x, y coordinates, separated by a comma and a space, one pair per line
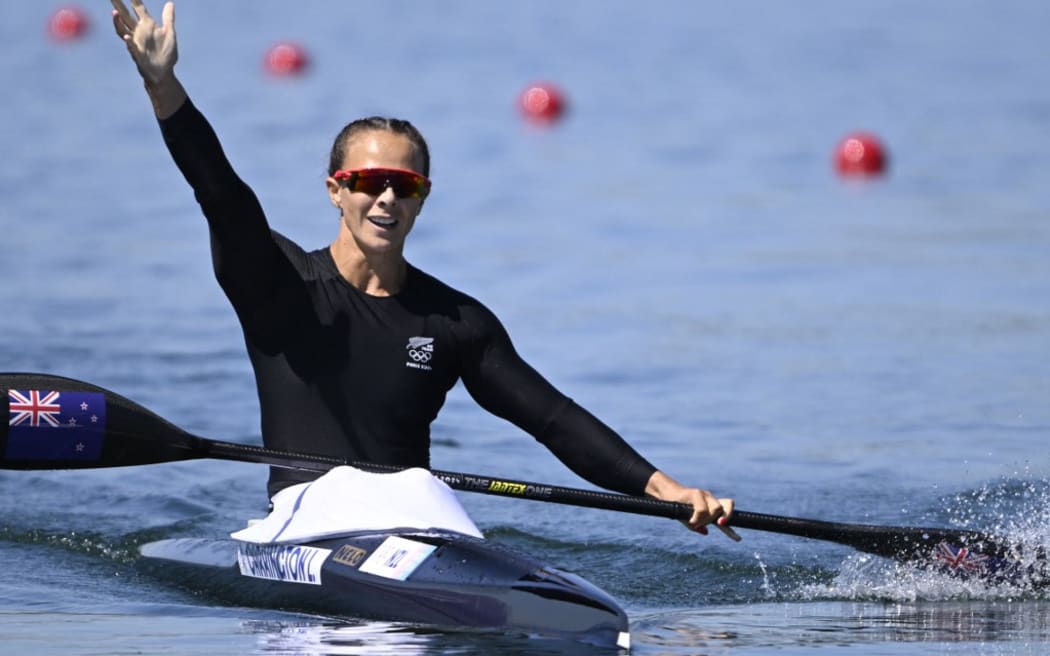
139, 29
130, 21
723, 522
123, 17
123, 22
118, 24
724, 526
707, 509
124, 32
727, 506
139, 8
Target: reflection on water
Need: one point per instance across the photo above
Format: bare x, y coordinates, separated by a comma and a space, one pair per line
1003, 621
786, 627
999, 627
969, 627
364, 637
275, 637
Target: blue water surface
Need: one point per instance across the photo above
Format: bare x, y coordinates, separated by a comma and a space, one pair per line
677, 254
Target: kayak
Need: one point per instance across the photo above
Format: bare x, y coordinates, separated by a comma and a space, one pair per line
396, 547
437, 578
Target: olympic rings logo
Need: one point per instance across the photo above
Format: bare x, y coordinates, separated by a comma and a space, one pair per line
419, 356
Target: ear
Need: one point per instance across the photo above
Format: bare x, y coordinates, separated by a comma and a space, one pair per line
334, 189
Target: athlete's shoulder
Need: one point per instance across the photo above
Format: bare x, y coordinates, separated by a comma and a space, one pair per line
311, 265
286, 245
442, 298
424, 285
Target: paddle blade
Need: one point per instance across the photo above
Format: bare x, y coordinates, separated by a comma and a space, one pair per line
968, 554
61, 423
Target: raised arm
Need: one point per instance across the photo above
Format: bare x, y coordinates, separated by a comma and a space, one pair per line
248, 262
154, 50
193, 144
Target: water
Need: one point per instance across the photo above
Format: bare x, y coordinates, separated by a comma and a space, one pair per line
677, 255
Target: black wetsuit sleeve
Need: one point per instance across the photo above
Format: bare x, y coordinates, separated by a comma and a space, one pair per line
248, 263
505, 385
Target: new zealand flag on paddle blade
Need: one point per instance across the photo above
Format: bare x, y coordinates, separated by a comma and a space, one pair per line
49, 425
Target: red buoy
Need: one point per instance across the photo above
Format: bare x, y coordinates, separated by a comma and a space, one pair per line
860, 153
542, 102
285, 59
67, 23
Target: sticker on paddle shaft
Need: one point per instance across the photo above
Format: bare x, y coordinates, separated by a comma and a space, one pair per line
55, 425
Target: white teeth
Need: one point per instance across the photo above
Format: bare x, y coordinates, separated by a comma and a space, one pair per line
383, 221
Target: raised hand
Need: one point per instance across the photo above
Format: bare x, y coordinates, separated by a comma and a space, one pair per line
152, 47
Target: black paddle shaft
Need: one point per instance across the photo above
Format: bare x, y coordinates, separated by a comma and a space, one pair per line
901, 543
132, 435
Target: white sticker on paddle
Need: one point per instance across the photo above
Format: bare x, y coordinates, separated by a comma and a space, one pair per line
396, 558
282, 562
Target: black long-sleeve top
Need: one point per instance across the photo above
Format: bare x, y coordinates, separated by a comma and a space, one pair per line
346, 374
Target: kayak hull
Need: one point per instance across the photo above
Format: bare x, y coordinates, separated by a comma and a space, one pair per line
435, 578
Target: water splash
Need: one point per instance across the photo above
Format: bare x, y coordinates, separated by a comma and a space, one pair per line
91, 544
767, 586
1015, 511
122, 549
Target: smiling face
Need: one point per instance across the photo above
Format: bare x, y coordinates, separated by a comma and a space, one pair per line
376, 225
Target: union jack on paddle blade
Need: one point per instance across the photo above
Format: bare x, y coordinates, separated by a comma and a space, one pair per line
55, 425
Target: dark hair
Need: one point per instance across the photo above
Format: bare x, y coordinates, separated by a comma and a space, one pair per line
395, 125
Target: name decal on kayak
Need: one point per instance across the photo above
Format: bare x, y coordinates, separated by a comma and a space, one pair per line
282, 562
349, 556
397, 558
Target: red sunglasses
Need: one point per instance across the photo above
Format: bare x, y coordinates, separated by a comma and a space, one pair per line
406, 184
